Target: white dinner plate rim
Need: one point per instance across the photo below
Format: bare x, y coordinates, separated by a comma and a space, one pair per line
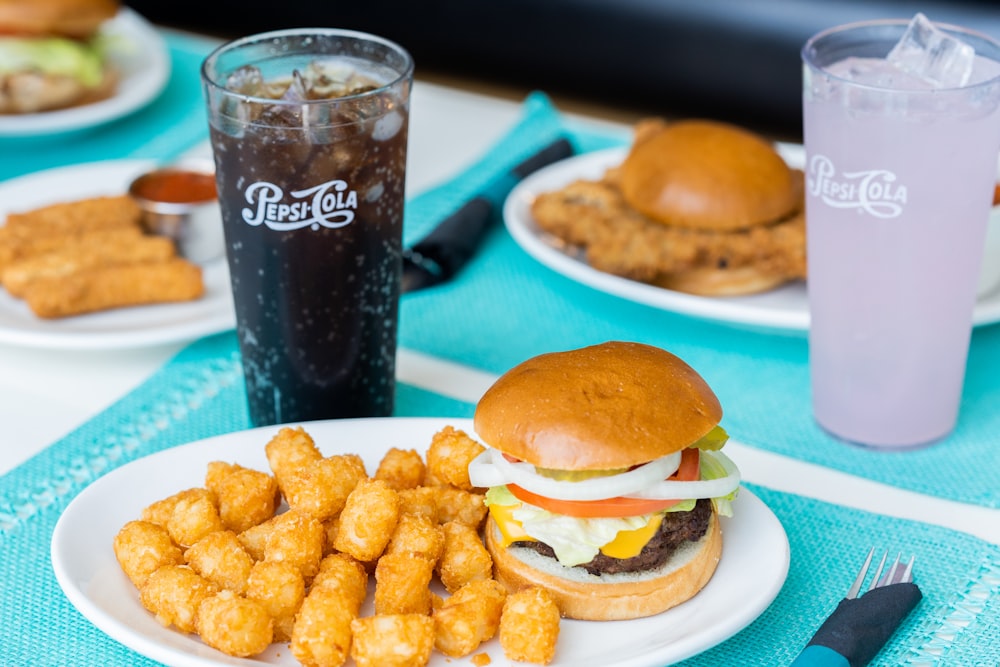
783, 310
81, 556
145, 75
135, 327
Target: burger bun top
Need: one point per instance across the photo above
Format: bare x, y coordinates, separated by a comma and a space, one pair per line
707, 175
603, 407
75, 19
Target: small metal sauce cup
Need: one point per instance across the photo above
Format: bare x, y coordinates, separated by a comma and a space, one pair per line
189, 216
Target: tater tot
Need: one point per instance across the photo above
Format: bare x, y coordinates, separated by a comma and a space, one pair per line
280, 589
529, 626
290, 448
448, 457
321, 636
234, 625
368, 520
220, 558
418, 534
402, 583
420, 500
161, 511
194, 516
401, 469
173, 594
396, 640
298, 539
469, 617
456, 504
464, 558
343, 572
142, 547
320, 488
245, 497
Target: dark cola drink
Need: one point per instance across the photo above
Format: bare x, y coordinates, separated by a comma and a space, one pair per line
309, 133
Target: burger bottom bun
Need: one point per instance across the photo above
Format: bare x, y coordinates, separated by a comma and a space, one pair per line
31, 92
707, 281
619, 597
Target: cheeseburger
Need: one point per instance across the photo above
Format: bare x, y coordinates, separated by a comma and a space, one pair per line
51, 54
696, 206
605, 480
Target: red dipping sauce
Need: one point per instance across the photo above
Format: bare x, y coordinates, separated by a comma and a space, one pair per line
176, 186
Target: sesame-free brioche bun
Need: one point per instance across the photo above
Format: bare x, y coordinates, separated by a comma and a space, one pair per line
606, 597
65, 18
603, 407
707, 175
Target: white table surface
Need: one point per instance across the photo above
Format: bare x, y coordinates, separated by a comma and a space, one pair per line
45, 394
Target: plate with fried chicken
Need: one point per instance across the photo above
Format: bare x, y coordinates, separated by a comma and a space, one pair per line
78, 270
697, 217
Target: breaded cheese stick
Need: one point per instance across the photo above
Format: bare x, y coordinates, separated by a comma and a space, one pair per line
84, 253
73, 217
16, 247
110, 287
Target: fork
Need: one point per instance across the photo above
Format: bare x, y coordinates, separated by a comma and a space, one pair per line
861, 624
895, 575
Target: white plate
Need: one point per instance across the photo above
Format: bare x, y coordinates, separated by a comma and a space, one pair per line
139, 53
785, 308
753, 567
121, 328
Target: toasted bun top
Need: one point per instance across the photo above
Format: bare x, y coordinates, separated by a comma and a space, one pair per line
707, 175
607, 406
64, 18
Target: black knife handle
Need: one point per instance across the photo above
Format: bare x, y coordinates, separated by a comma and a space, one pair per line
557, 150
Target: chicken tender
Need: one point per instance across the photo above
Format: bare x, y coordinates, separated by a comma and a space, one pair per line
109, 287
77, 217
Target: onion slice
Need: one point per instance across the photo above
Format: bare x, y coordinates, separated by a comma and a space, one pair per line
491, 469
707, 488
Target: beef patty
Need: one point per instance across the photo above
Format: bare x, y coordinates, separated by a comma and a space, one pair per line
676, 528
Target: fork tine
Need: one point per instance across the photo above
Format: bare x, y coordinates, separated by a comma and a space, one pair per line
852, 592
908, 572
890, 576
878, 572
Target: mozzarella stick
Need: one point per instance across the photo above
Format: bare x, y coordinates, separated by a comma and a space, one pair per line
17, 247
80, 254
76, 217
115, 287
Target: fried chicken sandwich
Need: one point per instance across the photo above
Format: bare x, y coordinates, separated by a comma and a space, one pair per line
605, 479
696, 206
51, 56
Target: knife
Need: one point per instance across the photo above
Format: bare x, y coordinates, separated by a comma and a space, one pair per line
441, 254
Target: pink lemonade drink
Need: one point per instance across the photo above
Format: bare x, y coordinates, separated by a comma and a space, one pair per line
899, 177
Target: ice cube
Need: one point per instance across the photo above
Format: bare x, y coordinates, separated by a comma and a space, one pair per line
933, 55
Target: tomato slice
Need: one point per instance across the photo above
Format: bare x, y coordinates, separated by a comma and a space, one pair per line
688, 471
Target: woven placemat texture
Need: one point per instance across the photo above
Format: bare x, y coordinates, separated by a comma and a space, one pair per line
170, 124
200, 393
505, 307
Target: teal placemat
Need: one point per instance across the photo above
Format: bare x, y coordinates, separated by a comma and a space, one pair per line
166, 127
505, 307
200, 394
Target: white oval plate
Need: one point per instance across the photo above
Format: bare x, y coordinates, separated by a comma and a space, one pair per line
754, 564
125, 327
784, 309
139, 53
